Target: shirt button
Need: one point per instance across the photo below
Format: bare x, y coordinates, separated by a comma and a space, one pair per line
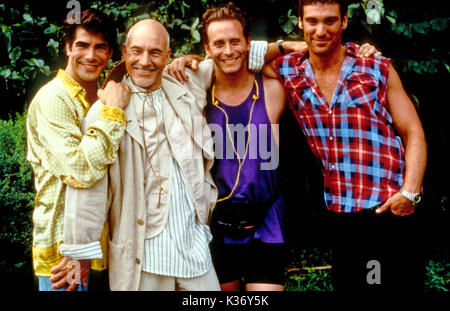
140, 222
330, 112
331, 137
138, 261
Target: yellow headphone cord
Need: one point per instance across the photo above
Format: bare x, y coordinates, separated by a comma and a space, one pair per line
241, 162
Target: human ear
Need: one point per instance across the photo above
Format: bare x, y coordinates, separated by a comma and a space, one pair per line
68, 48
205, 46
345, 22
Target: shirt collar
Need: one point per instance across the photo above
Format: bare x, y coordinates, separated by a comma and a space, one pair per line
74, 89
351, 50
140, 91
143, 96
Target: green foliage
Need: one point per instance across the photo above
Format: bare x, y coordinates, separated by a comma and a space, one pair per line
379, 22
288, 23
26, 58
16, 197
317, 281
303, 273
437, 276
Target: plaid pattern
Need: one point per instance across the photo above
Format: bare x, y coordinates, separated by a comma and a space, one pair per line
362, 157
60, 155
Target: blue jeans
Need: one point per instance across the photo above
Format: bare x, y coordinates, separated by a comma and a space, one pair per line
45, 285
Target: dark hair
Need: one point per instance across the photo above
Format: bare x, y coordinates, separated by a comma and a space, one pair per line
226, 12
343, 5
93, 21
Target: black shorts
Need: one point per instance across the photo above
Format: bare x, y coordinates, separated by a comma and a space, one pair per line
255, 262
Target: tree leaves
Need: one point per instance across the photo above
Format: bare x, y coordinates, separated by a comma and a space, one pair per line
16, 196
15, 53
51, 29
439, 24
423, 28
27, 52
27, 18
289, 22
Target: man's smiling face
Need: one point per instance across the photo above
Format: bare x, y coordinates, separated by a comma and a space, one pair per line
322, 27
227, 46
88, 56
146, 53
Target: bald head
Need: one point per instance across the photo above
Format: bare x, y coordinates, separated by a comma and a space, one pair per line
148, 25
146, 52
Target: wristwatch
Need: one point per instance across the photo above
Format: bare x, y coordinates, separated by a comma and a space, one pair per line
414, 197
280, 46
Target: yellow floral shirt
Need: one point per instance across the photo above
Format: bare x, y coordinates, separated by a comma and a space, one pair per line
61, 155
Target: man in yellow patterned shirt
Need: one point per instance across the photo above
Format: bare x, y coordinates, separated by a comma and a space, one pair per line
59, 153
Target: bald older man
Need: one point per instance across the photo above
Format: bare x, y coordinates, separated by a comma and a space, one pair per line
158, 196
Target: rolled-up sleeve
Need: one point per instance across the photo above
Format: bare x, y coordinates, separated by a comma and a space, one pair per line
256, 55
86, 211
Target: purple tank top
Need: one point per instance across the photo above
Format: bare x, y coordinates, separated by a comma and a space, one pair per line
259, 178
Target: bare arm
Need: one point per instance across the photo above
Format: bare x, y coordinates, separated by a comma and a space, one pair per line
176, 67
407, 123
275, 99
273, 51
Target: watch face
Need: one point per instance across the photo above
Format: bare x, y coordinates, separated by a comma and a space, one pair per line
416, 198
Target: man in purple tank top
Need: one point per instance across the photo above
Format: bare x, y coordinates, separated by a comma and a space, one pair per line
248, 220
243, 112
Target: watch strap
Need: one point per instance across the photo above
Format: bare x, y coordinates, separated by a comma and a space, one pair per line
413, 197
280, 46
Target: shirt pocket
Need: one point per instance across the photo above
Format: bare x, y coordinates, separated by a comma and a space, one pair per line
299, 93
361, 90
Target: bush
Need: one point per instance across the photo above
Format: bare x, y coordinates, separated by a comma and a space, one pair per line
27, 57
16, 197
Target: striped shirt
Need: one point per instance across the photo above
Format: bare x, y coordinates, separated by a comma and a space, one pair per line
181, 249
256, 55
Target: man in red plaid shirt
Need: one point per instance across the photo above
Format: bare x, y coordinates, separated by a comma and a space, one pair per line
361, 125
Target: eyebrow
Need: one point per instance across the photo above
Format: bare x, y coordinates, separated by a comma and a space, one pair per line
137, 47
98, 45
327, 18
102, 45
81, 43
331, 18
229, 39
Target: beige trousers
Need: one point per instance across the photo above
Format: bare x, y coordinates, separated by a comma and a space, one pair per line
155, 282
